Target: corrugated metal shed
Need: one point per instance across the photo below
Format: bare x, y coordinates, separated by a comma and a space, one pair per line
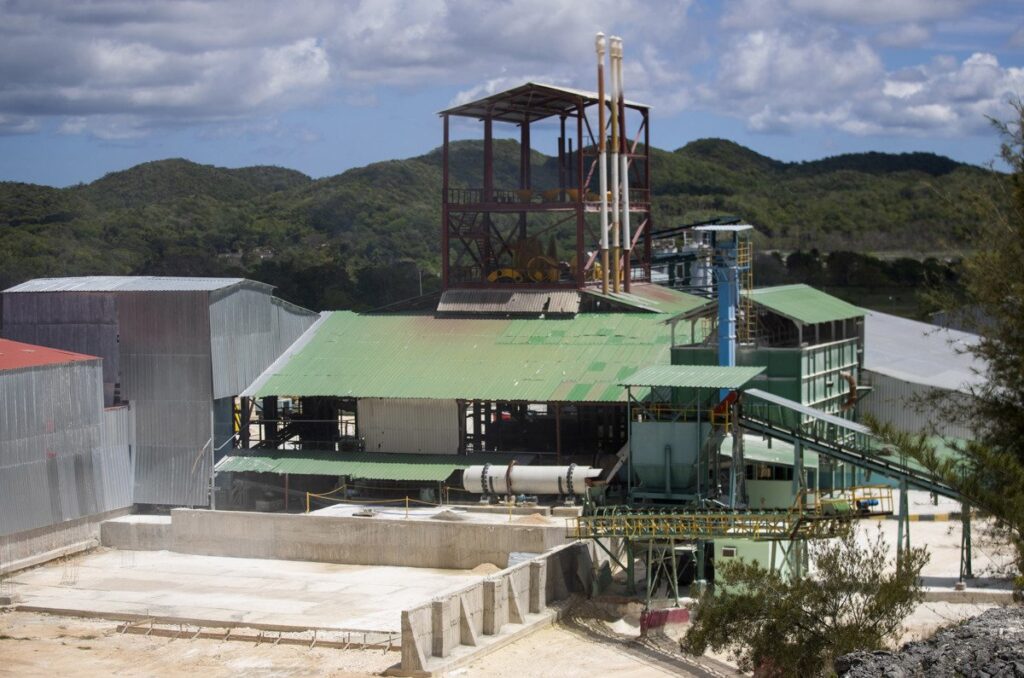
173, 346
116, 283
61, 456
921, 353
907, 405
513, 302
804, 304
365, 465
654, 299
693, 376
582, 359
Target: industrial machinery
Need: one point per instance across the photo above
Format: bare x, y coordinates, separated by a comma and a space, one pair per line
511, 480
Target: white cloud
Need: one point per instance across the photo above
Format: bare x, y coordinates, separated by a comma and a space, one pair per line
118, 69
208, 61
17, 124
907, 35
882, 11
786, 82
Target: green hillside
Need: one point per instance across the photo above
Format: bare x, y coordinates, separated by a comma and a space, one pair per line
366, 236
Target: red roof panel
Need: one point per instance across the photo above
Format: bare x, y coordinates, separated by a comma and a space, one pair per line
15, 355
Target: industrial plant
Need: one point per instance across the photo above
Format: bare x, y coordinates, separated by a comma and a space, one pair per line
592, 404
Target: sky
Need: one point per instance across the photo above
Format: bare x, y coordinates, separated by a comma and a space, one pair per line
90, 87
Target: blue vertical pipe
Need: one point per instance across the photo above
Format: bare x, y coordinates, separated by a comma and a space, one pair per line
728, 296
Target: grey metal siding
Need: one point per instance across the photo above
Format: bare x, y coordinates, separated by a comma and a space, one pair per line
906, 406
114, 459
409, 425
84, 322
166, 367
54, 463
249, 329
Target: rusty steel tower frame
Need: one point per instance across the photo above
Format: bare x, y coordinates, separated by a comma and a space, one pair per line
492, 236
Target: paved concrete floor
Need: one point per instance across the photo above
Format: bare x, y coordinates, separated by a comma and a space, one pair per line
218, 589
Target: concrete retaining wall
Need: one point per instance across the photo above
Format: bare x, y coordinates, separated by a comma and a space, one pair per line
356, 541
137, 533
33, 547
448, 630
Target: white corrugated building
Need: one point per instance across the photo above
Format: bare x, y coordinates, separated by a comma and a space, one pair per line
907, 362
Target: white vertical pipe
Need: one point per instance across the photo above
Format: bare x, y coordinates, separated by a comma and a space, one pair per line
624, 159
615, 168
602, 162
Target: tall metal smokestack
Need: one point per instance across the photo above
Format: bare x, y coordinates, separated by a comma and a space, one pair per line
620, 104
616, 258
602, 162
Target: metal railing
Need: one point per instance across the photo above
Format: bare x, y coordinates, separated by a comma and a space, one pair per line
626, 523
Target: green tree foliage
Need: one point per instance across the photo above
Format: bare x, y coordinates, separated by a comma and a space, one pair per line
317, 239
989, 471
779, 626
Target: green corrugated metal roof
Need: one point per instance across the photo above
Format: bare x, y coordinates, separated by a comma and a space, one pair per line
693, 376
654, 299
365, 465
805, 304
421, 356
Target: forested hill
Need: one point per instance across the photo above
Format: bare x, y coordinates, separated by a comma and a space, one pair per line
364, 237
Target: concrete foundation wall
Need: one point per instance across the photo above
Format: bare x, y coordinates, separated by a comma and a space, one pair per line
137, 533
461, 622
356, 541
32, 547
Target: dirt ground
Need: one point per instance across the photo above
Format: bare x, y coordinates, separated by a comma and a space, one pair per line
34, 644
37, 644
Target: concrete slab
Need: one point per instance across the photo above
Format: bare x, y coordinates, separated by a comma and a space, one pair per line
235, 590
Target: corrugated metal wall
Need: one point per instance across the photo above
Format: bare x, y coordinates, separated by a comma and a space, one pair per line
55, 462
895, 401
83, 322
409, 425
166, 368
249, 329
115, 458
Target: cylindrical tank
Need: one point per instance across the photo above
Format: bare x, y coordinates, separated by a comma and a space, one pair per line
513, 479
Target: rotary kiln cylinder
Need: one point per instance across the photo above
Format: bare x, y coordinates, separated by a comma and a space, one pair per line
498, 480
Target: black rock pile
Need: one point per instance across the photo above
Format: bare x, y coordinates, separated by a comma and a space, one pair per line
987, 646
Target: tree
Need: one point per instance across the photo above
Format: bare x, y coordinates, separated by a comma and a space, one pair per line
989, 470
778, 625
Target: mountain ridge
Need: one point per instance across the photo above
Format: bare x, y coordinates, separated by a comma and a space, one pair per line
317, 238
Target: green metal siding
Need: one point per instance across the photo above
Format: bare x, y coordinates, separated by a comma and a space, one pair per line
808, 375
421, 356
805, 304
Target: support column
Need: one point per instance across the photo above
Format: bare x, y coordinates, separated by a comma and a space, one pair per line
966, 568
444, 207
580, 190
488, 160
558, 433
903, 527
798, 473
